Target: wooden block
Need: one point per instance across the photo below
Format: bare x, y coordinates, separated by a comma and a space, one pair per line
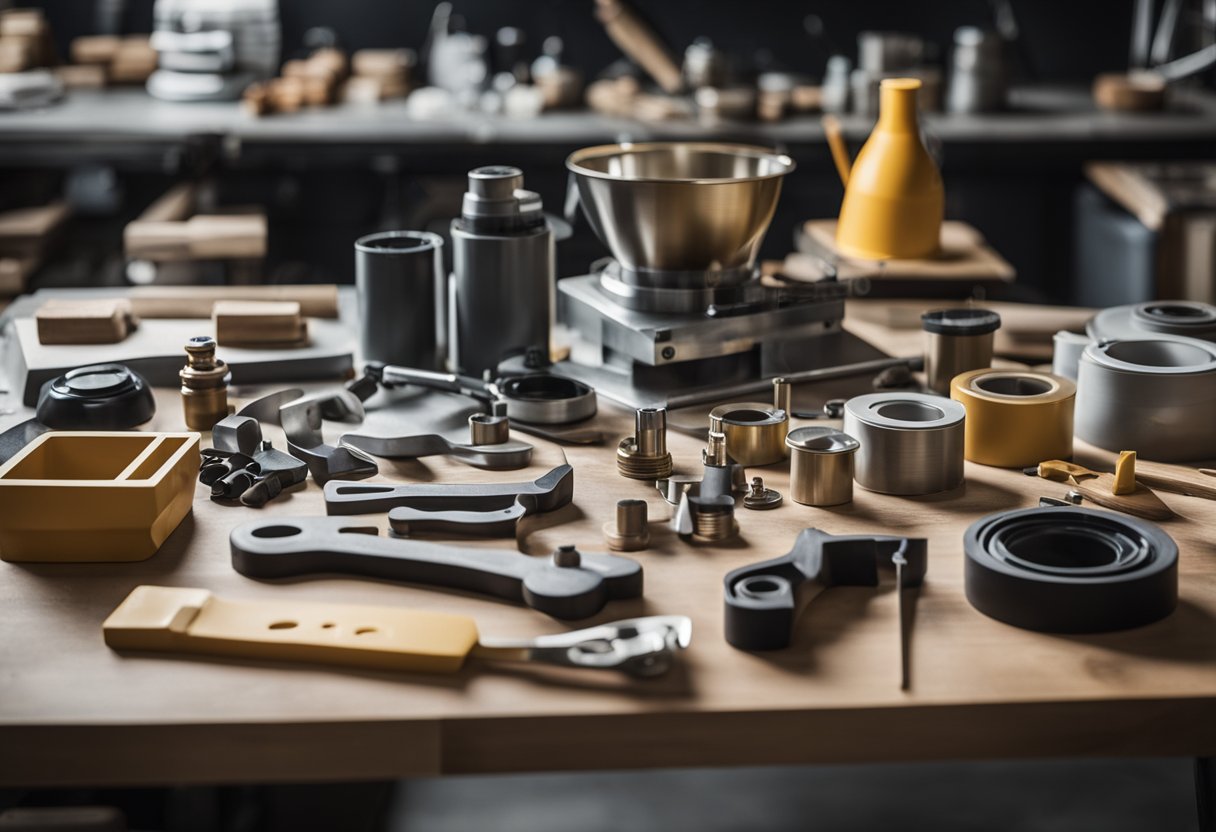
94, 49
256, 100
316, 301
133, 61
23, 231
22, 23
16, 54
382, 63
202, 237
82, 76
258, 323
94, 321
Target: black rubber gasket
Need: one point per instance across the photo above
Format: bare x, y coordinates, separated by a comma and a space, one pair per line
1070, 570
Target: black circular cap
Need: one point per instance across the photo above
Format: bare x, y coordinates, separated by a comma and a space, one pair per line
97, 397
960, 321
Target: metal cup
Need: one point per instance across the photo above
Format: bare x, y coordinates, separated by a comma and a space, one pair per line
399, 276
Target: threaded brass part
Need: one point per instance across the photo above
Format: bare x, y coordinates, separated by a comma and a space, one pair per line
632, 464
715, 525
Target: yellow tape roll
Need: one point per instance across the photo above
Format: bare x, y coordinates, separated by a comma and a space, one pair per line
1015, 419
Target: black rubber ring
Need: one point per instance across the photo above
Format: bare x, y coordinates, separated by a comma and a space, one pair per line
1070, 570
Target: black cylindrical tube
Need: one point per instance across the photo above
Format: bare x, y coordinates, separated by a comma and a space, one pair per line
399, 275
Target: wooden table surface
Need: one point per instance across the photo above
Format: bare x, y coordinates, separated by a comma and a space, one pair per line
74, 712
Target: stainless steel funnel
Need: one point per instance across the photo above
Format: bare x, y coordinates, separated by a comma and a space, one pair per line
680, 206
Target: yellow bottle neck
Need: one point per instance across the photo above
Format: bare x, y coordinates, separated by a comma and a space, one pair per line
897, 108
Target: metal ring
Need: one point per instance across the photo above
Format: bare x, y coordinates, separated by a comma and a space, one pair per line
547, 399
1070, 570
911, 443
755, 432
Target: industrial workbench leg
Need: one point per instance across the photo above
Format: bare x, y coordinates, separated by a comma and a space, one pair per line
1205, 792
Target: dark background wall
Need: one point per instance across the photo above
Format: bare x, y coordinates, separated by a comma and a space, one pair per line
1065, 40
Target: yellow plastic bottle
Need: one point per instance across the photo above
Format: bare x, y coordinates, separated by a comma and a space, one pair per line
893, 199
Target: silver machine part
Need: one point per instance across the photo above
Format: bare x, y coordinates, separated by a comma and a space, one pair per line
977, 72
680, 306
1188, 319
399, 275
821, 466
911, 443
1155, 396
503, 260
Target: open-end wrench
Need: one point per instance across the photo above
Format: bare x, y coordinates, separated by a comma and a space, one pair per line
553, 490
566, 585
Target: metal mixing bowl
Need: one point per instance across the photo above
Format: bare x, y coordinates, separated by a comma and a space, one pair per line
680, 206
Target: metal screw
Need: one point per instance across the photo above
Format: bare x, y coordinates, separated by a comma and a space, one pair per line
760, 497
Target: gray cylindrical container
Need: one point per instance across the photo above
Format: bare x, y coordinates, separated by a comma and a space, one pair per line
957, 340
399, 277
503, 265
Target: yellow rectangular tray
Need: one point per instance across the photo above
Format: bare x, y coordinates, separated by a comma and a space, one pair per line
80, 496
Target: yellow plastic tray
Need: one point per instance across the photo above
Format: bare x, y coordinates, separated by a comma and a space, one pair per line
80, 496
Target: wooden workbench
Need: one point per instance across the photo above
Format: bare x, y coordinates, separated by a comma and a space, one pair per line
74, 712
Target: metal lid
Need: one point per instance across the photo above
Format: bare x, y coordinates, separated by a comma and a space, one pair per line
821, 441
905, 411
960, 321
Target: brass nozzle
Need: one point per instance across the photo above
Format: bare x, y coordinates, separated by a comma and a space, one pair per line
204, 384
631, 531
644, 455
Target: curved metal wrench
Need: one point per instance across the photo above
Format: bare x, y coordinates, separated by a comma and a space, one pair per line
500, 457
553, 490
567, 585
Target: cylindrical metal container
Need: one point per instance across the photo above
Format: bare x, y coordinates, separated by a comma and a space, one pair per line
821, 466
399, 277
956, 340
755, 432
977, 72
911, 443
1155, 397
503, 273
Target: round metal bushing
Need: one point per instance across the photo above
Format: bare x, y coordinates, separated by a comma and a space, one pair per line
1154, 396
1070, 570
821, 466
755, 432
546, 399
630, 531
1015, 418
1189, 319
911, 443
487, 429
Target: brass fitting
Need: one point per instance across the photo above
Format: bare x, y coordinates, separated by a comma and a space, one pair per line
630, 531
755, 432
713, 510
485, 429
204, 384
644, 455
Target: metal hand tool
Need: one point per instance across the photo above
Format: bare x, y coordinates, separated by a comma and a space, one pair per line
301, 420
501, 456
187, 620
763, 600
533, 398
553, 490
567, 585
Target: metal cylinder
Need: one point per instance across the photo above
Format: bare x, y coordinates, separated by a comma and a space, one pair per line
204, 384
644, 455
754, 432
503, 273
956, 340
485, 429
977, 72
399, 277
911, 443
1154, 396
630, 531
821, 466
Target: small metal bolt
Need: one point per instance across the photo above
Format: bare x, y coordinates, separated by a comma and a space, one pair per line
567, 557
760, 497
669, 353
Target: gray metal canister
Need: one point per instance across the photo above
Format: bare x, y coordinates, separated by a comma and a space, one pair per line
399, 277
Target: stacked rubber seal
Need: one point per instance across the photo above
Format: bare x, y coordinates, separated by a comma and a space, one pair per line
1070, 570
